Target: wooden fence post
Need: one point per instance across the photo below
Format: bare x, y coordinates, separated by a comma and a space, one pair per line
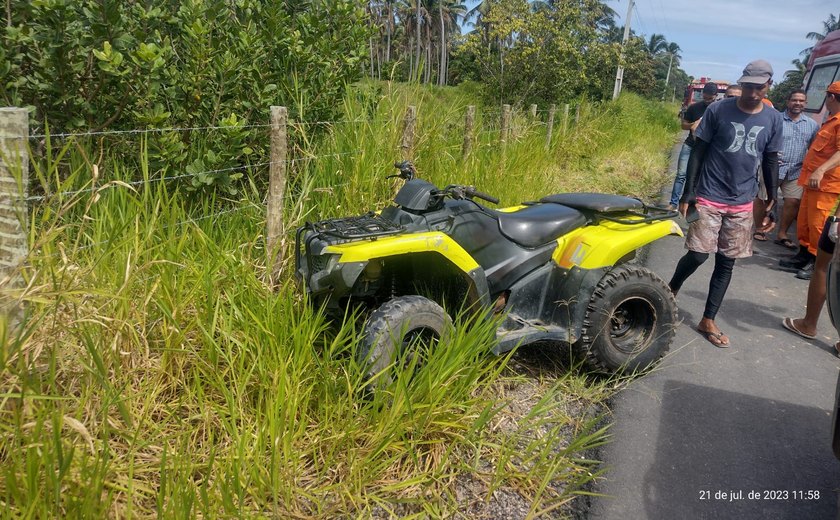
14, 187
505, 131
577, 114
275, 244
407, 143
469, 123
550, 125
533, 111
565, 118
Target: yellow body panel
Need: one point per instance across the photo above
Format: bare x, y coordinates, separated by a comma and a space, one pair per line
511, 209
592, 247
402, 244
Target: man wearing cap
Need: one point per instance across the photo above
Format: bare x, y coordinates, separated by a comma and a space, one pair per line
690, 120
735, 135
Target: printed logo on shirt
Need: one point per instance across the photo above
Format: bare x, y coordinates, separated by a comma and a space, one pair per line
742, 135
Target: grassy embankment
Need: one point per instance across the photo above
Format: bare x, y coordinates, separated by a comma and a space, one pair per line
157, 375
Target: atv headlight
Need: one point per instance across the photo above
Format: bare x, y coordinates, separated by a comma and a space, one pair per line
320, 262
320, 269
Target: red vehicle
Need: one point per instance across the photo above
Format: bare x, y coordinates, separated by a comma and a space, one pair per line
694, 91
823, 69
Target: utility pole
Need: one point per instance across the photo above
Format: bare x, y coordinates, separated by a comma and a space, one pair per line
619, 75
668, 76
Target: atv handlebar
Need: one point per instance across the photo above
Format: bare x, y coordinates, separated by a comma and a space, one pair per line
408, 172
470, 191
458, 192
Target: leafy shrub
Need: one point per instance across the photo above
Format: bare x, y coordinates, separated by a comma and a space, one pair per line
90, 65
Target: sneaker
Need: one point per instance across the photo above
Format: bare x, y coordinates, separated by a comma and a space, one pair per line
806, 272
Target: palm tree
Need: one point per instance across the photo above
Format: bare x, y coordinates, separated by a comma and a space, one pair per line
411, 14
389, 23
449, 12
800, 67
418, 17
605, 17
796, 76
657, 44
832, 23
673, 50
478, 13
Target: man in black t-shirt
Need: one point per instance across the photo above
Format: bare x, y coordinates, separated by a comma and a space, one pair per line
691, 118
736, 135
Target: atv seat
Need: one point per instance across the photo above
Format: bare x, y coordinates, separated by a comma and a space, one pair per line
539, 224
595, 202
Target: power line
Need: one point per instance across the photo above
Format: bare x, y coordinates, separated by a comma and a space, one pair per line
639, 18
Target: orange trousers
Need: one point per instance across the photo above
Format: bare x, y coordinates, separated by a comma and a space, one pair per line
814, 209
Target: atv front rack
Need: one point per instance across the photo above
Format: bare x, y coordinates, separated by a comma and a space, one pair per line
351, 228
369, 225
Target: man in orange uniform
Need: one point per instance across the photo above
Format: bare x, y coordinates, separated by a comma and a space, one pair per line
820, 179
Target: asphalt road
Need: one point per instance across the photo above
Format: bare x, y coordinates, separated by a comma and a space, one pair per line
743, 432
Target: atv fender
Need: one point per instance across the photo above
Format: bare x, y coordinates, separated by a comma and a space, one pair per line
605, 245
360, 253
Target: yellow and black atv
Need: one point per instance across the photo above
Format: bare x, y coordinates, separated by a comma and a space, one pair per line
558, 269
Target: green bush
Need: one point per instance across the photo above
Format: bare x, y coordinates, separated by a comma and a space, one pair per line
92, 65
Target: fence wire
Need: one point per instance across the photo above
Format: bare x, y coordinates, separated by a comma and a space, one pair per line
40, 198
200, 128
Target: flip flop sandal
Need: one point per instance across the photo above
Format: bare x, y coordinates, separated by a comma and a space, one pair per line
786, 242
760, 236
715, 338
789, 325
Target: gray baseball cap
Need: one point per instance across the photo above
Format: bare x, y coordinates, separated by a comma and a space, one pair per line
757, 71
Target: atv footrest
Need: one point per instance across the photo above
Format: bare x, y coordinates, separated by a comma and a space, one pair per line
368, 225
509, 339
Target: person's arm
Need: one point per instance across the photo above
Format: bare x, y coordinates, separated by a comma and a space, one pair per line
770, 171
692, 173
685, 124
693, 126
817, 175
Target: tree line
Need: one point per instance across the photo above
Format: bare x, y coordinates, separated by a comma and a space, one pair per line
795, 77
518, 50
101, 65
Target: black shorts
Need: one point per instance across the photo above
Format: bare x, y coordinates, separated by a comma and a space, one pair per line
825, 243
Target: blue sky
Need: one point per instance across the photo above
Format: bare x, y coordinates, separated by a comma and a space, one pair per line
719, 37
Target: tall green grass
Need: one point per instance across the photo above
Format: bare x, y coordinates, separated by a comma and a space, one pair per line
157, 375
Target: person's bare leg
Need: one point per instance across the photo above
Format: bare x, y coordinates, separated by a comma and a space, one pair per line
816, 295
790, 208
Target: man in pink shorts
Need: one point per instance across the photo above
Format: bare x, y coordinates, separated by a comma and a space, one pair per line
735, 135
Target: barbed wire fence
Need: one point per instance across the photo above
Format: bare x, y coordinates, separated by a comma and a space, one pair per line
504, 123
